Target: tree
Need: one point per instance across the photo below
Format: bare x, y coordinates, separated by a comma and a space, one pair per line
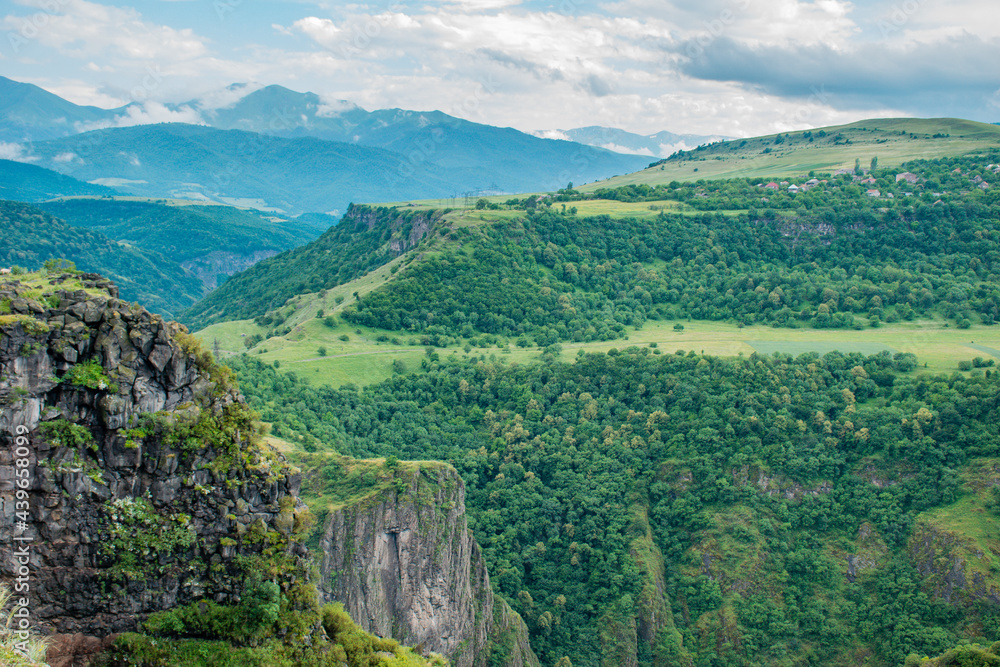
59, 265
874, 163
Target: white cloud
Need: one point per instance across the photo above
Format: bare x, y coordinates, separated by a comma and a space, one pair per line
16, 152
146, 114
623, 64
89, 30
66, 158
625, 149
221, 98
552, 134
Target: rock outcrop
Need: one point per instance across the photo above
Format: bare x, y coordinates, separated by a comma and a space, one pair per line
134, 471
144, 486
407, 566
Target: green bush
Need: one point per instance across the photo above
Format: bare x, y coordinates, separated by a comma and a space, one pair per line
89, 374
62, 433
249, 620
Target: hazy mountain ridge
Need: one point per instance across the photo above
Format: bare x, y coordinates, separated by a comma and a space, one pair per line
25, 182
661, 144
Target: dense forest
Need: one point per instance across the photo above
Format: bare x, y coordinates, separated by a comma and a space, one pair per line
784, 507
833, 259
830, 256
189, 231
32, 236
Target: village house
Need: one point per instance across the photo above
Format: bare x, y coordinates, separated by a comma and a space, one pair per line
4, 272
793, 189
984, 186
772, 186
907, 176
874, 193
869, 181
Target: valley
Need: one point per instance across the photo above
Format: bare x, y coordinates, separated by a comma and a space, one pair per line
733, 409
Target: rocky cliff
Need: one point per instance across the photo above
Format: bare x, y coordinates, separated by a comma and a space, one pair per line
135, 473
405, 565
145, 485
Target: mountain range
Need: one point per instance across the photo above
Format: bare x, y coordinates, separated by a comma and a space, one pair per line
661, 144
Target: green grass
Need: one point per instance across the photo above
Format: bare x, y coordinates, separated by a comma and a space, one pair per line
364, 360
470, 217
796, 156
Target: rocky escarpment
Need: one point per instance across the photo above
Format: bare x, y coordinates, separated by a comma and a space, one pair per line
217, 263
954, 568
406, 565
145, 486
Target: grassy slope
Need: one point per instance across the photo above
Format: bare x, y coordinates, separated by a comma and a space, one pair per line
889, 139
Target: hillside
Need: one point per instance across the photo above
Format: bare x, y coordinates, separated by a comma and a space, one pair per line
363, 240
31, 183
892, 140
533, 271
32, 237
213, 242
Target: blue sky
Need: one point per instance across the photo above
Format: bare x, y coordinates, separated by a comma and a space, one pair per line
734, 67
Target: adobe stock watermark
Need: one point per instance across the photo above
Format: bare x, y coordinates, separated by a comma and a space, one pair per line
897, 18
423, 150
714, 29
22, 539
32, 26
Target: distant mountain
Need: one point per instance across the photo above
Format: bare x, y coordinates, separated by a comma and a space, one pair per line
29, 113
293, 175
31, 183
661, 144
421, 136
432, 154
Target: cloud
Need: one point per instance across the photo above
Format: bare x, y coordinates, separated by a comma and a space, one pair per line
627, 150
89, 30
146, 114
16, 152
331, 108
552, 134
915, 77
221, 98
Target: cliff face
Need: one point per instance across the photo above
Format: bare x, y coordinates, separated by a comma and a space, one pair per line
209, 267
145, 486
407, 566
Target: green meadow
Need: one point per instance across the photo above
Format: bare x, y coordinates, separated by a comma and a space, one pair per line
367, 355
892, 140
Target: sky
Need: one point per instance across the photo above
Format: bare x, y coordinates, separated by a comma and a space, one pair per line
730, 67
